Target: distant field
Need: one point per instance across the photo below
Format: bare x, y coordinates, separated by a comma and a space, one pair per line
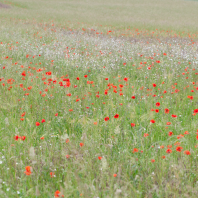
177, 15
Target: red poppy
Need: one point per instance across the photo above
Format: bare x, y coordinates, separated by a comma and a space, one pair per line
28, 170
157, 104
106, 119
170, 133
16, 137
116, 116
77, 78
152, 121
174, 116
135, 150
133, 97
67, 156
23, 138
168, 151
56, 114
180, 136
179, 149
57, 193
132, 124
81, 144
157, 110
187, 152
186, 132
125, 79
85, 76
115, 175
152, 160
37, 123
52, 174
154, 85
190, 97
43, 120
166, 110
99, 157
168, 123
195, 111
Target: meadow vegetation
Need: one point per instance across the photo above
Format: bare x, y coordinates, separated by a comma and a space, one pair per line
98, 99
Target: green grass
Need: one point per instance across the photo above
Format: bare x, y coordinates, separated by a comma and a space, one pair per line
40, 55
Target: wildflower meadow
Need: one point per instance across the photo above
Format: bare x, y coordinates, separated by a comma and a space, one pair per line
96, 108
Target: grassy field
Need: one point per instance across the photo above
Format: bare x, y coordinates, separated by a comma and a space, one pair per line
91, 107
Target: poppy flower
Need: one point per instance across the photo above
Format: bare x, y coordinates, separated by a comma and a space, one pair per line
152, 160
133, 97
52, 174
157, 110
170, 133
187, 152
125, 79
174, 116
168, 123
57, 193
106, 119
16, 137
168, 151
43, 120
195, 111
115, 175
56, 114
146, 135
157, 104
67, 156
186, 132
152, 121
99, 157
180, 136
166, 110
81, 144
179, 149
23, 138
135, 150
116, 116
28, 170
85, 76
37, 123
190, 97
77, 78
132, 124
154, 85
